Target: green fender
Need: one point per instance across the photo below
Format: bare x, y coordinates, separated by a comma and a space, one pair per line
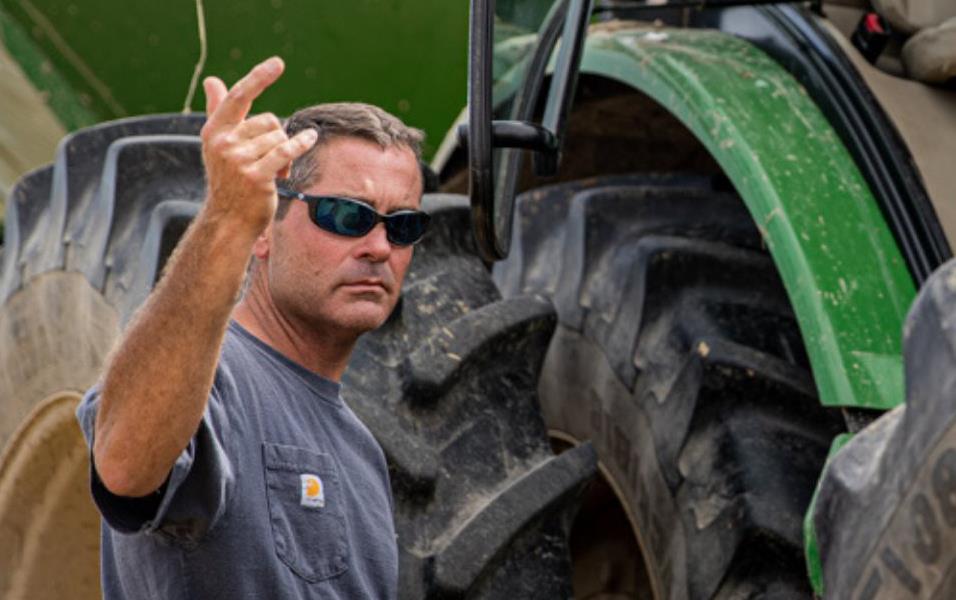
841, 267
846, 279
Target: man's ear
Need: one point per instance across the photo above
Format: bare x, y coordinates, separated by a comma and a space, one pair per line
263, 244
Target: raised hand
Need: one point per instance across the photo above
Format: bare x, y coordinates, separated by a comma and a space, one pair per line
243, 156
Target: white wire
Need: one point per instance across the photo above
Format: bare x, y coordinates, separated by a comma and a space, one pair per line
201, 63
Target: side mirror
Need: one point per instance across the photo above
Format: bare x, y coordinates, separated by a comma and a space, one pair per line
492, 212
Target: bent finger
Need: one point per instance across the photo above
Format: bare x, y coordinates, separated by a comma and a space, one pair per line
258, 125
237, 102
281, 156
261, 145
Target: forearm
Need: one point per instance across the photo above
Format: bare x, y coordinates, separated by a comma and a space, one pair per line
158, 380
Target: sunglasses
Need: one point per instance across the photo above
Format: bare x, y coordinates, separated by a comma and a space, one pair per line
354, 218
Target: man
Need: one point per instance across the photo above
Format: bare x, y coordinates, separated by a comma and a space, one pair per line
224, 461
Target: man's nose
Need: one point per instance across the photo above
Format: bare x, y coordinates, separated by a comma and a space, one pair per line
376, 246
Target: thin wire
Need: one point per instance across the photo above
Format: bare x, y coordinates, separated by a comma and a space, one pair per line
201, 63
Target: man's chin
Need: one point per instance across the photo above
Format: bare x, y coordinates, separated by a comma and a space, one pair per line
363, 317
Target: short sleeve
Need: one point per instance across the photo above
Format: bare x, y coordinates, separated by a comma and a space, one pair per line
193, 498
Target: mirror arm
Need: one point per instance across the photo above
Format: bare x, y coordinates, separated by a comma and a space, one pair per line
517, 134
563, 83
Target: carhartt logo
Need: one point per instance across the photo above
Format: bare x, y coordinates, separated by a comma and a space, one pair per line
313, 492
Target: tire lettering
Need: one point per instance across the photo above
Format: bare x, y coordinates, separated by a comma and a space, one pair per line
944, 485
872, 587
914, 554
899, 570
926, 533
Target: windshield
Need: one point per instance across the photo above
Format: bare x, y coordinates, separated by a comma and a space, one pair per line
516, 26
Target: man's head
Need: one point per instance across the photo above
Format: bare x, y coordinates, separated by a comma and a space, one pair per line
338, 120
338, 285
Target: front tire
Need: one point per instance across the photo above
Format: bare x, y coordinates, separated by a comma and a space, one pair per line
677, 354
447, 386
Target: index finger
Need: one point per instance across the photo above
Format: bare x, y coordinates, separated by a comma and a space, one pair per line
238, 101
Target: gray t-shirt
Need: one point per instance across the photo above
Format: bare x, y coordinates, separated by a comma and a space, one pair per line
282, 493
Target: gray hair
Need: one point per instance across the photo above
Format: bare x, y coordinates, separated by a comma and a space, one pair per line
334, 120
343, 119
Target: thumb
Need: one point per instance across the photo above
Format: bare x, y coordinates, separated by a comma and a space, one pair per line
215, 91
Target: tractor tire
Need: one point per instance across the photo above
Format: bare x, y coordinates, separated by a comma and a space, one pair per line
448, 386
885, 516
482, 505
678, 355
83, 241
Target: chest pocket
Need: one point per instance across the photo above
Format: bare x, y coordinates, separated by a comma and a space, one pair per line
306, 512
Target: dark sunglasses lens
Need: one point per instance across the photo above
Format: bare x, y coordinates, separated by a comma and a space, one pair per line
406, 228
324, 215
344, 217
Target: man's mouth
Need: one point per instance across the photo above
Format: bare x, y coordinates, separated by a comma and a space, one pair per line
367, 285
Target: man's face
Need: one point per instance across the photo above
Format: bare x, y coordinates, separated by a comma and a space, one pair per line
344, 285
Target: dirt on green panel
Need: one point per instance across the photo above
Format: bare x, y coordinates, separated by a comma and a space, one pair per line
814, 210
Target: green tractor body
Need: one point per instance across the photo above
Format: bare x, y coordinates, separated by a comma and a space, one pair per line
729, 209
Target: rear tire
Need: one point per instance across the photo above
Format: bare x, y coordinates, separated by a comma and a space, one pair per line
678, 355
77, 257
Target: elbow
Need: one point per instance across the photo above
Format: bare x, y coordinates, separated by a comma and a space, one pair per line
120, 474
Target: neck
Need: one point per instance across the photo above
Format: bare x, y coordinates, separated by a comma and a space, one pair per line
310, 346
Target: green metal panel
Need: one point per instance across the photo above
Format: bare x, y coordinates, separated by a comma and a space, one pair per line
842, 270
811, 547
138, 57
67, 105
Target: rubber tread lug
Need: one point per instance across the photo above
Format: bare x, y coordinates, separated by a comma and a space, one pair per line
23, 213
411, 459
758, 364
138, 173
675, 399
540, 216
488, 532
600, 218
436, 364
76, 172
167, 223
432, 300
654, 262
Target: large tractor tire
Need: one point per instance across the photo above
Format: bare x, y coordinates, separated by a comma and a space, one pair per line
885, 516
83, 239
678, 355
482, 504
448, 386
